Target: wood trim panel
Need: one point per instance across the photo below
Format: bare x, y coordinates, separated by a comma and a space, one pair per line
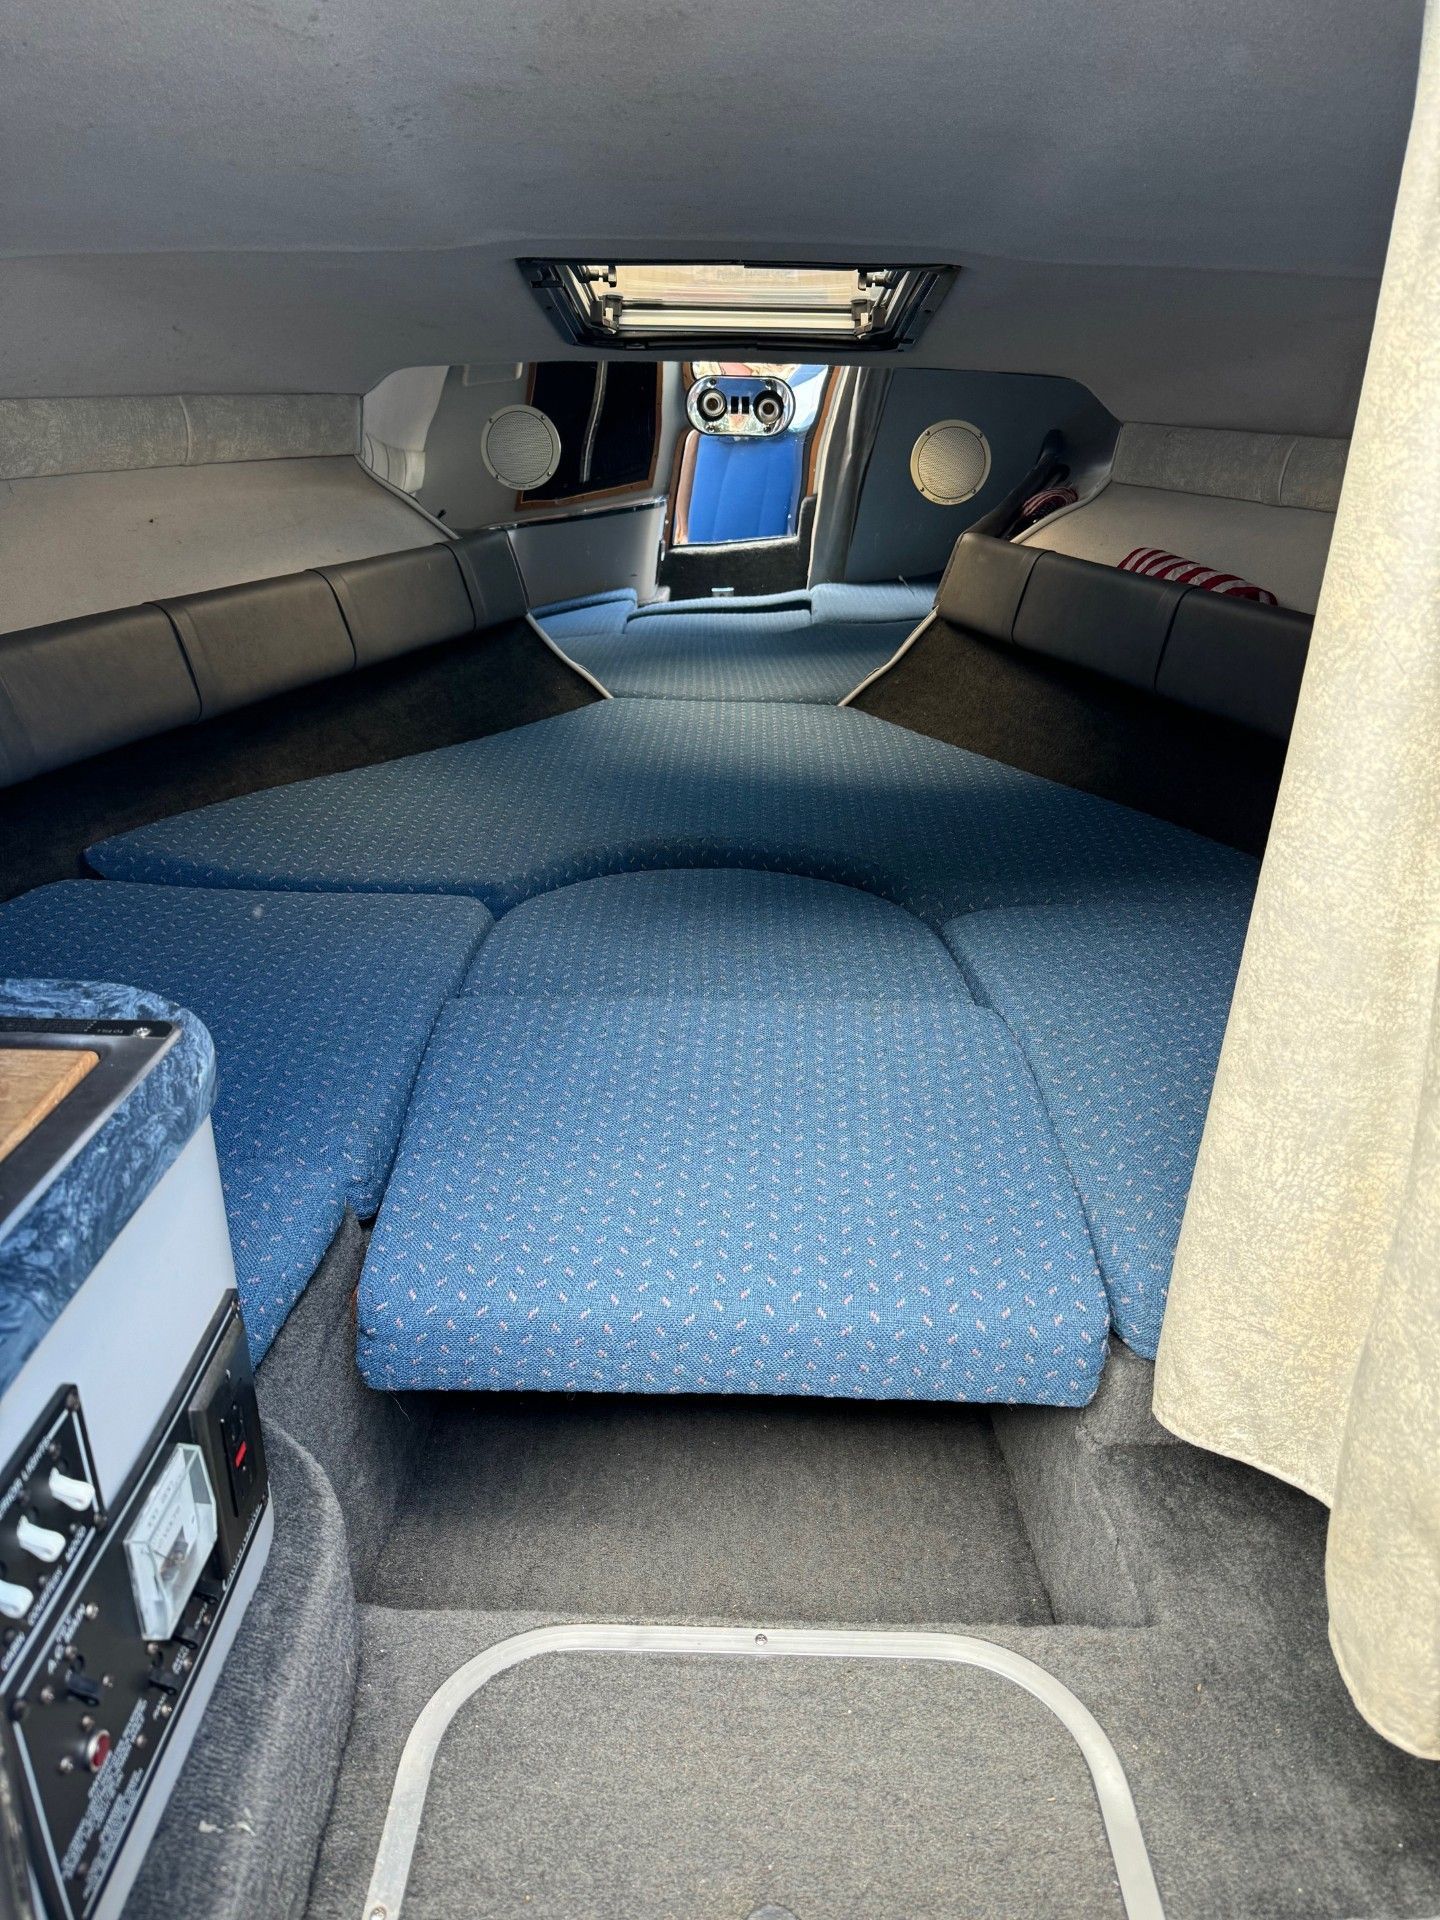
33, 1082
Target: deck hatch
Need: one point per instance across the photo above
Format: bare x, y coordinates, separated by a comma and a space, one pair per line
701, 305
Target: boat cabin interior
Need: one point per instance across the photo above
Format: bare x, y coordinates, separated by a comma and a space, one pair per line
719, 918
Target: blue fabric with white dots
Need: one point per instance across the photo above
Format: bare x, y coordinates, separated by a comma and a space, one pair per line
598, 618
616, 597
1120, 1006
812, 647
628, 784
687, 1195
737, 656
797, 597
1107, 939
714, 931
905, 600
319, 1010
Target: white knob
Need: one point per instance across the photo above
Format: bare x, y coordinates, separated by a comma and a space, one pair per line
44, 1542
78, 1495
15, 1601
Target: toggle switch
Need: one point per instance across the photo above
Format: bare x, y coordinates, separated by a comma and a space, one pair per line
80, 1686
15, 1600
78, 1495
44, 1543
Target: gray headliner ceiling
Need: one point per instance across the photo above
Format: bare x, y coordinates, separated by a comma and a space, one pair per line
307, 193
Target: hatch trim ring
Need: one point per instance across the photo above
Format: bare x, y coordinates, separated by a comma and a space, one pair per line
1138, 1891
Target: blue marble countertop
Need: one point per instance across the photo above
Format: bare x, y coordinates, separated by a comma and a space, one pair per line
51, 1248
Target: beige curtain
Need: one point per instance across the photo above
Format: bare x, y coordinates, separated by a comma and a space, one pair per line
1303, 1330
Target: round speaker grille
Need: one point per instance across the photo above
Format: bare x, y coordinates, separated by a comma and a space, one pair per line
950, 462
520, 447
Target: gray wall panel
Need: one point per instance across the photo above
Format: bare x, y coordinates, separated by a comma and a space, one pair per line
898, 531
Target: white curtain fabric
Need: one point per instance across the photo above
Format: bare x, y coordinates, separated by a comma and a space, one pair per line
1303, 1330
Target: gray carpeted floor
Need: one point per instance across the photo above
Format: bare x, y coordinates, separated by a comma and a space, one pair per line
592, 1785
797, 1510
658, 1788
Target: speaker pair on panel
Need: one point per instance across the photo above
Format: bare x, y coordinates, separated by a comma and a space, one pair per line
950, 462
759, 415
520, 447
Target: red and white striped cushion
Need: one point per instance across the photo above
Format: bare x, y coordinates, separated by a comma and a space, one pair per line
1049, 500
1159, 565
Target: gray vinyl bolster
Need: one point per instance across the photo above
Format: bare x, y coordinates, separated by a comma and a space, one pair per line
492, 578
1216, 653
248, 643
1098, 617
399, 601
81, 687
1237, 659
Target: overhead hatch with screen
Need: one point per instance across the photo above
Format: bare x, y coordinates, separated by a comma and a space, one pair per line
702, 305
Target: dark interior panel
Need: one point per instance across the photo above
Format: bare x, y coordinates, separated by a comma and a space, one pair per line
1085, 731
608, 418
899, 532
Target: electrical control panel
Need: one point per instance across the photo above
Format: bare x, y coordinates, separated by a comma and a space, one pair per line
43, 1534
108, 1618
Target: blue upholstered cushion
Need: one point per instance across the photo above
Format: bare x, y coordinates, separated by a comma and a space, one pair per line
599, 617
744, 489
319, 1008
907, 601
840, 600
627, 784
791, 598
815, 646
1120, 1006
713, 931
736, 656
731, 1195
615, 597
